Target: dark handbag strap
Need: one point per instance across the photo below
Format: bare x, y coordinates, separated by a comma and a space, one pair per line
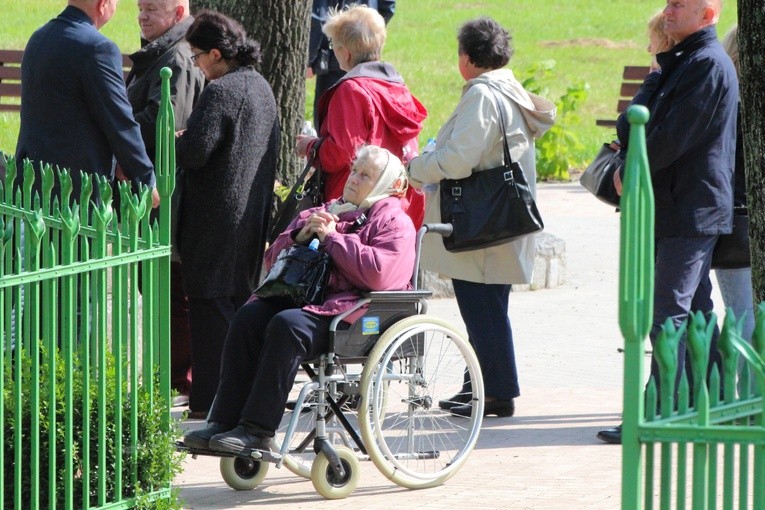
520, 177
300, 182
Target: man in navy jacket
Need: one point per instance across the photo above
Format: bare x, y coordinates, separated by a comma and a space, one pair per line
74, 107
691, 145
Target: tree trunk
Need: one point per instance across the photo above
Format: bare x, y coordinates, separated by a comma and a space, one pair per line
751, 40
281, 27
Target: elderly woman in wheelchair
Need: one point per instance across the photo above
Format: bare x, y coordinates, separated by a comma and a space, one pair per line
266, 342
372, 317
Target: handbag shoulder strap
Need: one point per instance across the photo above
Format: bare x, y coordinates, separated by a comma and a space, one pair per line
518, 173
503, 130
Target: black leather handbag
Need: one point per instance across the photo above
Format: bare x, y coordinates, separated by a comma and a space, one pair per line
490, 207
598, 178
732, 250
305, 193
298, 277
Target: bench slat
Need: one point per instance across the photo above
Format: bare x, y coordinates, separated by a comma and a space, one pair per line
10, 77
635, 72
10, 73
632, 77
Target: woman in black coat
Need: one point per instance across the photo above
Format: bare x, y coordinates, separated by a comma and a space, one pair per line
228, 156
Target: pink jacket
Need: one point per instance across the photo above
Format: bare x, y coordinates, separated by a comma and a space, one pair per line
379, 255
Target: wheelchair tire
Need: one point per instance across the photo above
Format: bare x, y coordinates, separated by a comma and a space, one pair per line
242, 474
327, 483
417, 362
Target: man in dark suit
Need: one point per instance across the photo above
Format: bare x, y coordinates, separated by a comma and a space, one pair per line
74, 108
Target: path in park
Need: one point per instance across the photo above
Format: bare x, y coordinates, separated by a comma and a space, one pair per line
546, 456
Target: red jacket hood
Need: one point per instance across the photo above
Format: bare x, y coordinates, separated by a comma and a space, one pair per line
402, 112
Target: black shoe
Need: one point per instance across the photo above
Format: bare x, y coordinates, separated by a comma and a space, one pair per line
611, 436
456, 400
200, 439
240, 440
502, 408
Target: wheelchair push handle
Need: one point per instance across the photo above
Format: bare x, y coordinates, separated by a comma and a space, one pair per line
444, 229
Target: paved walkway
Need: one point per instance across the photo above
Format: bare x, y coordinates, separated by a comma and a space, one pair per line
546, 456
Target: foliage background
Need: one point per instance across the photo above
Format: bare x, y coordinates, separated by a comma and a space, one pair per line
589, 41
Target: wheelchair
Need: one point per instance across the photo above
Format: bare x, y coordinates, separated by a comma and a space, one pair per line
374, 396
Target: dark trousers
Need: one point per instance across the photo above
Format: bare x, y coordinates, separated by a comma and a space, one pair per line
484, 310
180, 333
209, 320
264, 348
682, 285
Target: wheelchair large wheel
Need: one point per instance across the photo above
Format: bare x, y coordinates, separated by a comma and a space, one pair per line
327, 483
243, 474
417, 362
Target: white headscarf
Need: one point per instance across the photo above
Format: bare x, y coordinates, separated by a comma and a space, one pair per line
392, 171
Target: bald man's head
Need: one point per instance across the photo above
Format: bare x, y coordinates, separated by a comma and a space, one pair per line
155, 17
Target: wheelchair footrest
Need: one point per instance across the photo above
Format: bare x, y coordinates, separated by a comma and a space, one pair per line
261, 455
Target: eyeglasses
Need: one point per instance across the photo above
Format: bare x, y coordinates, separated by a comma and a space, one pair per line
197, 55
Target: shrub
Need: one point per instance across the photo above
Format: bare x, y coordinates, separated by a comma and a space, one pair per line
155, 456
559, 149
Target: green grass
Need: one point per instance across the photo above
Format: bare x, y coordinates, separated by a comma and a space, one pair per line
590, 41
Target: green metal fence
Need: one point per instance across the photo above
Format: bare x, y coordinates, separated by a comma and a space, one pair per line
82, 349
703, 448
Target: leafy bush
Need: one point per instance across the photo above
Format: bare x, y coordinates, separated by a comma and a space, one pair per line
559, 149
155, 456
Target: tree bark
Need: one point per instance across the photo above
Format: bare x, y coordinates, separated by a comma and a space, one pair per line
281, 27
751, 40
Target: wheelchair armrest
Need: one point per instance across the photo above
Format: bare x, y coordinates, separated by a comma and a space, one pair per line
397, 295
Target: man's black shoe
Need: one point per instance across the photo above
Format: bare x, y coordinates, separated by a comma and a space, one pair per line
611, 436
239, 440
200, 439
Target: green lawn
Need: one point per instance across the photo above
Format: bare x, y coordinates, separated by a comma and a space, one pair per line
590, 42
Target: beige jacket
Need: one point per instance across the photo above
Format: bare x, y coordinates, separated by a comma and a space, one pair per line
470, 139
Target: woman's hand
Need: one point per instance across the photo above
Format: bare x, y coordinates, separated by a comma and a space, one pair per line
319, 224
301, 146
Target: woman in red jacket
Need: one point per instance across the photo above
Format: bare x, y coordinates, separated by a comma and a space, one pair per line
369, 105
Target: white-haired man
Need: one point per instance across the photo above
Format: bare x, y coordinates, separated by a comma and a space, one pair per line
163, 25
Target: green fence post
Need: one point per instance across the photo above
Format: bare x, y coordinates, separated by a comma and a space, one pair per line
165, 159
636, 270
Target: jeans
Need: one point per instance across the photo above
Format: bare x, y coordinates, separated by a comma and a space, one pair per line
736, 289
484, 310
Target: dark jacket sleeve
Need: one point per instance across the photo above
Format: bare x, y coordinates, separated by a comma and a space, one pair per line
205, 130
110, 106
642, 97
181, 83
685, 115
386, 8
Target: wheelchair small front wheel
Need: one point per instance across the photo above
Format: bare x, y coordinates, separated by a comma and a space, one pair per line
243, 474
327, 483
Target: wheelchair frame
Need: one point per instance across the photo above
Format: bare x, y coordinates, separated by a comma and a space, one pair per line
402, 430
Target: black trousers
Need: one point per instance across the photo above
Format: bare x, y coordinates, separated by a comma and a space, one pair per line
264, 348
209, 320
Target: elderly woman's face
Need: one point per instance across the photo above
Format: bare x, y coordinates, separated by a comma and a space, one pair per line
360, 182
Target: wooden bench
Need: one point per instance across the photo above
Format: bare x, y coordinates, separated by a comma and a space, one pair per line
632, 78
10, 78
